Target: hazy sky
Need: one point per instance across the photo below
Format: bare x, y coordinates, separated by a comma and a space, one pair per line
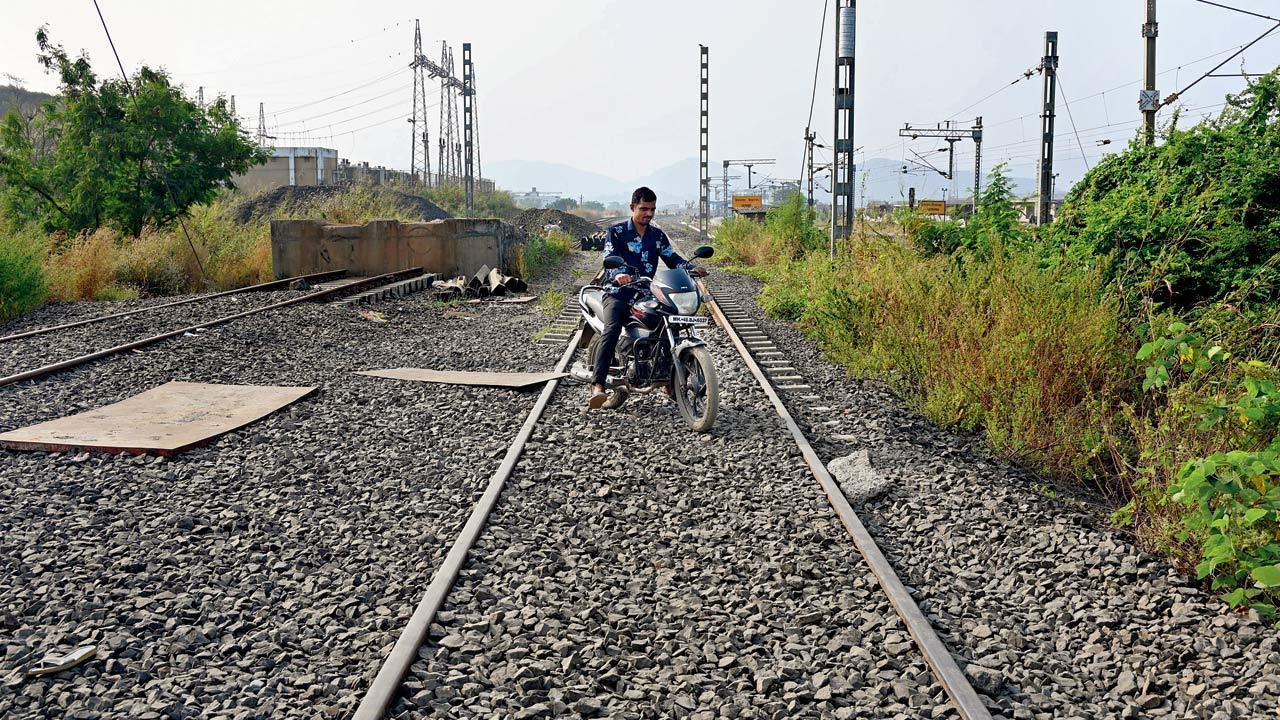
612, 86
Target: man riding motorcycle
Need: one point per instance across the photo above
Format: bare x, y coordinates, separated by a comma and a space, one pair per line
640, 244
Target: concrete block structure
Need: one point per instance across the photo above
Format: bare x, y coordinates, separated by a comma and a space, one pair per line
291, 166
450, 247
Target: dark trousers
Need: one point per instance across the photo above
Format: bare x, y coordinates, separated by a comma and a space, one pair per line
615, 317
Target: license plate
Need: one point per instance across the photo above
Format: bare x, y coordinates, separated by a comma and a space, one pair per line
687, 320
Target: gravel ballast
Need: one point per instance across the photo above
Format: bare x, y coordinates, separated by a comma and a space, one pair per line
1057, 615
267, 574
634, 569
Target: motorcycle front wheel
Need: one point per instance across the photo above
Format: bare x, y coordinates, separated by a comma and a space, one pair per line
697, 391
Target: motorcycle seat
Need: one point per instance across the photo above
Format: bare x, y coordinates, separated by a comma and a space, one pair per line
595, 302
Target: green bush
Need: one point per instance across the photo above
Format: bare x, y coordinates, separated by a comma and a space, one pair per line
22, 280
540, 253
793, 225
1195, 218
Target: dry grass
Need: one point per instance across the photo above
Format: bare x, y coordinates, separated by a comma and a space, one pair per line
1026, 354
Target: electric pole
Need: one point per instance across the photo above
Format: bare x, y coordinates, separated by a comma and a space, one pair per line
977, 162
1049, 67
418, 146
262, 126
951, 169
200, 96
842, 167
1149, 97
450, 167
704, 179
724, 210
468, 105
809, 137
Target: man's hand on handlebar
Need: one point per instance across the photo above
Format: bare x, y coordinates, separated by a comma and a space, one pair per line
622, 279
698, 272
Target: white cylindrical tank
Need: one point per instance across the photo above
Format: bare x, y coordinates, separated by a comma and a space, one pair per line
848, 30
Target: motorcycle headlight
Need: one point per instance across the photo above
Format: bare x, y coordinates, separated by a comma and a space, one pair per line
686, 302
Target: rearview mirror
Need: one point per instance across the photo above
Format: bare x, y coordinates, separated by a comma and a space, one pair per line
613, 262
705, 251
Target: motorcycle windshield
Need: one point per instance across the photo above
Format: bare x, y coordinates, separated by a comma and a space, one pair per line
674, 280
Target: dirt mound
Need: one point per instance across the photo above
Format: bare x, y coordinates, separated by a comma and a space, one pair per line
298, 199
535, 220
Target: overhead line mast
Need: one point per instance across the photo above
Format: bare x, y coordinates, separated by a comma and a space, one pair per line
842, 166
1049, 67
704, 179
468, 127
951, 135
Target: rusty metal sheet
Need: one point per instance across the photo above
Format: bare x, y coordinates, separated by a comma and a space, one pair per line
164, 420
460, 377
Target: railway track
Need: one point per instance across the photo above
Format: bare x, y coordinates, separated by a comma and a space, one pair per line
454, 629
330, 285
609, 564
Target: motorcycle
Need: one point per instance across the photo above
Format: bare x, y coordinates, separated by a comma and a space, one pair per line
659, 347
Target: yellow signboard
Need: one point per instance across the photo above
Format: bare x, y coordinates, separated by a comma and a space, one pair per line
932, 207
748, 202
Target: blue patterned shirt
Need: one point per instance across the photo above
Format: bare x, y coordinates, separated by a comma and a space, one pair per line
640, 252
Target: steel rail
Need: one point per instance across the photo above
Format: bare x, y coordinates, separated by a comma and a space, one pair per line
382, 691
274, 284
945, 669
309, 297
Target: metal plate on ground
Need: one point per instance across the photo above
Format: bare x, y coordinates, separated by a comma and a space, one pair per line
460, 377
164, 420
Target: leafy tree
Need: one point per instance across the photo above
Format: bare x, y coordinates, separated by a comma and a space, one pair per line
120, 154
593, 205
564, 204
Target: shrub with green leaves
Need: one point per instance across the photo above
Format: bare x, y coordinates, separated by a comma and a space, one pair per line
1194, 218
22, 280
117, 153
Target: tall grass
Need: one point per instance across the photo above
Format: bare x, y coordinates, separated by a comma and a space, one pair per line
1005, 346
22, 281
540, 253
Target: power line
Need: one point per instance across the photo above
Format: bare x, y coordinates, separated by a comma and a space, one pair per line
375, 81
353, 118
310, 53
1234, 9
344, 108
164, 180
1070, 117
813, 98
1174, 97
1019, 79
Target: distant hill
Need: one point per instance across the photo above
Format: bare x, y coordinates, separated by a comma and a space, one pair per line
878, 179
15, 97
524, 175
674, 184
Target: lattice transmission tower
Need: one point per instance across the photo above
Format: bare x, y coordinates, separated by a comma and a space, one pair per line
419, 147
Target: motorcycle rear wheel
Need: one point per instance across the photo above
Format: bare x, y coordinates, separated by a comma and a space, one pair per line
619, 395
697, 390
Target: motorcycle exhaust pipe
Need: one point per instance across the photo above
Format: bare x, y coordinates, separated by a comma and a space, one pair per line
581, 374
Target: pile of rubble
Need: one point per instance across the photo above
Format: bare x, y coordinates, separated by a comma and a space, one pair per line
538, 222
303, 199
487, 282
